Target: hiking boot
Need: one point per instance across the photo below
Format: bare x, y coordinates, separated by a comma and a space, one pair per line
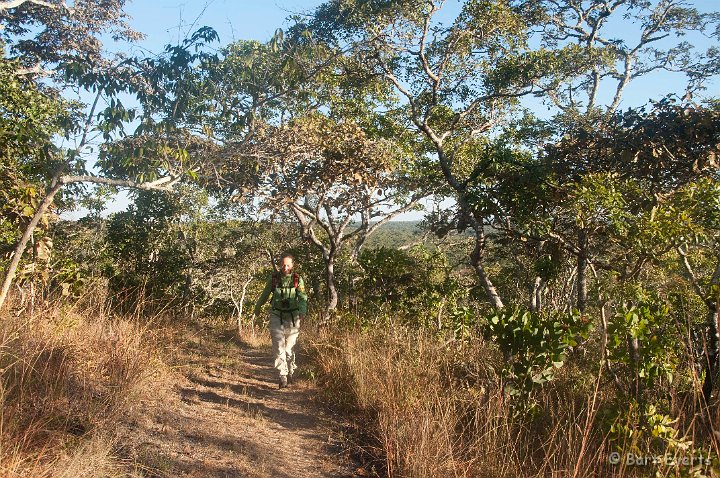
290, 379
283, 381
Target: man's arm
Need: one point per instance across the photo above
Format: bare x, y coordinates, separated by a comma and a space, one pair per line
263, 297
302, 297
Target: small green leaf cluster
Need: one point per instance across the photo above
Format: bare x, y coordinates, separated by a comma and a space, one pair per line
647, 431
70, 278
463, 321
533, 345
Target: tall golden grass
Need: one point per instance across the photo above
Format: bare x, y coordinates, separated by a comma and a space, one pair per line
430, 409
66, 375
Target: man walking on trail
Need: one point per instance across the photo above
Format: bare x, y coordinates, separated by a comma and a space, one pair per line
289, 306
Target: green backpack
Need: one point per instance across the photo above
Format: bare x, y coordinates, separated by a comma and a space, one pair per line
284, 298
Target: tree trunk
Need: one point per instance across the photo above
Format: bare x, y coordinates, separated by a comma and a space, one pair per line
582, 266
634, 354
604, 344
362, 236
56, 185
474, 219
712, 339
239, 306
332, 294
536, 297
476, 261
538, 283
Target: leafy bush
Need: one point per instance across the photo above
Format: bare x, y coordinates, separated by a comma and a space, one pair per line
149, 256
643, 325
533, 345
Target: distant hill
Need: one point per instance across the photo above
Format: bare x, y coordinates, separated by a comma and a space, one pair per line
395, 234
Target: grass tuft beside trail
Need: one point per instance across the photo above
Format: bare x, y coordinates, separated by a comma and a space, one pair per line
66, 377
426, 408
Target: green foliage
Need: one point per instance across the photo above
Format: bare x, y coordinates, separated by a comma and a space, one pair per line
463, 322
533, 345
52, 34
30, 116
149, 257
372, 104
647, 324
413, 284
79, 256
70, 279
648, 432
394, 234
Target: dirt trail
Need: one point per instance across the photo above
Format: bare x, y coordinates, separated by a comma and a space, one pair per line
227, 418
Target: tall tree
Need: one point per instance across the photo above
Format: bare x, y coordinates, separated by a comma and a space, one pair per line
44, 36
462, 80
457, 84
620, 41
297, 128
646, 183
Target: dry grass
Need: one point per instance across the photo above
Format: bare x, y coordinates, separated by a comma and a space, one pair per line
427, 409
66, 377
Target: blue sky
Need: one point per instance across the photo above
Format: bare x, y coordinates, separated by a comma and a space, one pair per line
168, 21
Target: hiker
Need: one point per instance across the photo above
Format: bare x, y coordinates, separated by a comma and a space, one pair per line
289, 306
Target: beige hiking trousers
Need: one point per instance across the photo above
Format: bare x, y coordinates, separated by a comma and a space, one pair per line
284, 329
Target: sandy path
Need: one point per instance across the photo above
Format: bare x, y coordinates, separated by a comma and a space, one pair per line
226, 418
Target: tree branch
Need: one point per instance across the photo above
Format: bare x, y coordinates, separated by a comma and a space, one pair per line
691, 274
35, 70
163, 184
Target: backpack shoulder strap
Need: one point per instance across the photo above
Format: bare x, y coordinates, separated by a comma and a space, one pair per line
276, 280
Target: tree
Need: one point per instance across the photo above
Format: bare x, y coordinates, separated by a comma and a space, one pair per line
166, 164
291, 118
646, 183
461, 83
456, 82
30, 118
44, 36
612, 60
614, 57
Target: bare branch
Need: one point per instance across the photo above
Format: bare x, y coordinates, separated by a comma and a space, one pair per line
35, 70
306, 225
162, 184
423, 57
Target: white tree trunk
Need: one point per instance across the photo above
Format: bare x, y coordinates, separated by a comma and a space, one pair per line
20, 248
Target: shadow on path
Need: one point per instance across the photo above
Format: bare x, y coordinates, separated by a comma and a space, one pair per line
226, 418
